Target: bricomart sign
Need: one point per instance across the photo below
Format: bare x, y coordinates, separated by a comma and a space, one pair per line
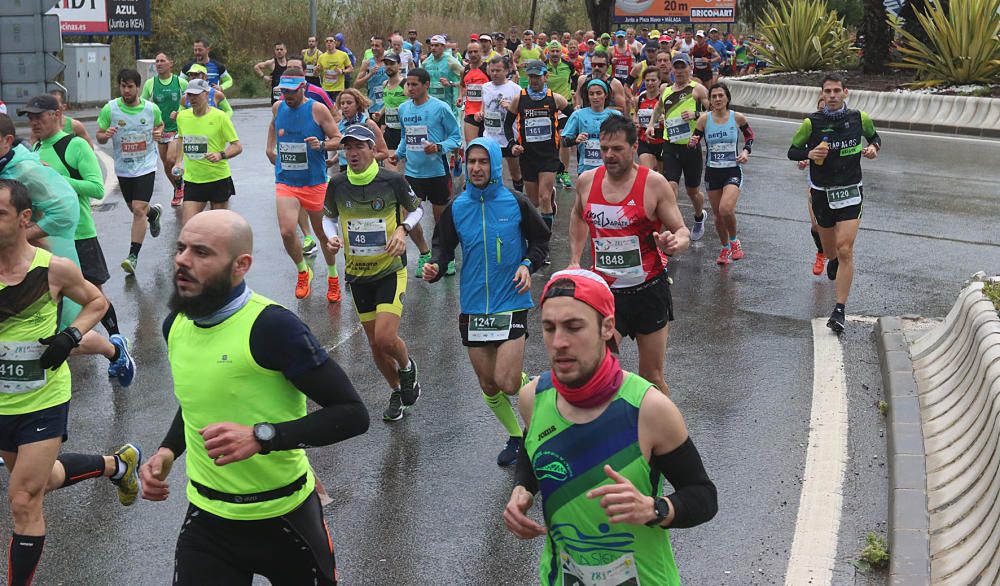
104, 17
674, 11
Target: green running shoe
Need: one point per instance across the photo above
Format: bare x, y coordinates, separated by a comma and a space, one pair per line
128, 485
129, 264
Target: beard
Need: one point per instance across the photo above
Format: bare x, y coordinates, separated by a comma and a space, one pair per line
214, 295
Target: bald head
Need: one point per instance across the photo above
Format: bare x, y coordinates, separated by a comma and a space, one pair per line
227, 228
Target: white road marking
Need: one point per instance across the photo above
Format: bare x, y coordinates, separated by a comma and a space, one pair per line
814, 547
899, 132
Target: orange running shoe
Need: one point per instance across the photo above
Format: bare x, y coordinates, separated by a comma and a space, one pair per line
302, 286
333, 289
820, 264
723, 256
178, 195
737, 249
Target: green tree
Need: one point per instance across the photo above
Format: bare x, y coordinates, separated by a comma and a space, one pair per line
878, 35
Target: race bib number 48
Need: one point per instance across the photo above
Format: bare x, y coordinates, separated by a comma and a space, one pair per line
366, 236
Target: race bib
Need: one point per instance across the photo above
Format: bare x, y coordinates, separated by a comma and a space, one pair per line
474, 92
592, 153
645, 115
166, 137
842, 197
416, 136
700, 63
618, 256
621, 72
195, 146
392, 118
19, 368
489, 327
293, 156
678, 129
492, 123
310, 69
330, 76
366, 236
134, 146
538, 129
437, 91
721, 155
276, 93
379, 92
621, 572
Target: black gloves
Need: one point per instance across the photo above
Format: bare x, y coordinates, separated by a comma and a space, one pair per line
59, 347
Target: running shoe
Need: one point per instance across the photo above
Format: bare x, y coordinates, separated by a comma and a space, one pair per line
564, 181
394, 411
836, 321
724, 255
333, 289
128, 485
737, 249
302, 285
178, 195
129, 264
421, 261
451, 268
831, 269
698, 230
153, 217
309, 246
819, 264
409, 388
124, 367
508, 455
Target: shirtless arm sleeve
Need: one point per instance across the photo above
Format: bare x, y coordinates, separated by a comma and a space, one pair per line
695, 498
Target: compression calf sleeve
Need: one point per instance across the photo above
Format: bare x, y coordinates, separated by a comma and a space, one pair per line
817, 241
23, 556
500, 405
80, 467
110, 320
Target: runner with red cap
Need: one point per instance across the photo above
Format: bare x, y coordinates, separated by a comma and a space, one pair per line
622, 206
598, 444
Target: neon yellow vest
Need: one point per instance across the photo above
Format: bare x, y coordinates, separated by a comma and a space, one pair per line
680, 130
24, 386
217, 380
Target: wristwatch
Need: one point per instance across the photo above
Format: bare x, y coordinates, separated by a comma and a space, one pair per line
662, 509
264, 434
223, 155
75, 334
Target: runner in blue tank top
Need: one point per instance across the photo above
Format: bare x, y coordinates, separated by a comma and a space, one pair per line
371, 78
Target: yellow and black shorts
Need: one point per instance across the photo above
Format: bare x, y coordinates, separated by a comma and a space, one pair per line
382, 296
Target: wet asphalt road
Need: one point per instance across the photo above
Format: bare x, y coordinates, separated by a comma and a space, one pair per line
420, 501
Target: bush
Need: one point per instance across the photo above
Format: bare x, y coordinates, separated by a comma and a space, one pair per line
806, 36
963, 44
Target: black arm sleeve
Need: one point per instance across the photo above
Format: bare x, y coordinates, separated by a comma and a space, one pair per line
695, 499
508, 129
524, 475
444, 241
798, 153
568, 110
535, 231
280, 341
343, 415
876, 140
174, 441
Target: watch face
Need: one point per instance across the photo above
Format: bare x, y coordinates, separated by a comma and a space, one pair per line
264, 432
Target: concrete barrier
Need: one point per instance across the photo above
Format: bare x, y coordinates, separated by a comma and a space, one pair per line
964, 115
956, 368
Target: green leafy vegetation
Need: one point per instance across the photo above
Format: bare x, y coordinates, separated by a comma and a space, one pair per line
875, 555
806, 36
992, 292
962, 45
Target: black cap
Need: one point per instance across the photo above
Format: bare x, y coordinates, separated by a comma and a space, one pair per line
359, 132
39, 104
390, 56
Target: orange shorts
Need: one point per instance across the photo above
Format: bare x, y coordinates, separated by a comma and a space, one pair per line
310, 196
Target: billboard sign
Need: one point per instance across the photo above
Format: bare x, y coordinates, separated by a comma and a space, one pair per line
104, 17
674, 11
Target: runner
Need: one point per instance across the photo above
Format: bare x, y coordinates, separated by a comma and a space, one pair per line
216, 99
537, 109
679, 105
310, 56
296, 143
75, 160
526, 51
561, 78
622, 59
416, 46
582, 130
724, 49
406, 59
650, 146
819, 264
445, 72
276, 66
217, 75
371, 77
618, 439
393, 96
704, 57
332, 67
69, 125
352, 106
471, 92
599, 63
253, 504
495, 288
623, 206
165, 90
35, 380
498, 95
687, 43
208, 139
429, 131
831, 141
722, 169
366, 204
132, 124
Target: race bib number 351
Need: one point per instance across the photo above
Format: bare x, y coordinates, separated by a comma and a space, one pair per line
415, 137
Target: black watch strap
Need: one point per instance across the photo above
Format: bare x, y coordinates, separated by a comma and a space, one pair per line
662, 509
75, 334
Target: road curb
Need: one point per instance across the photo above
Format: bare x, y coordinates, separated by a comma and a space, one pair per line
909, 521
957, 115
